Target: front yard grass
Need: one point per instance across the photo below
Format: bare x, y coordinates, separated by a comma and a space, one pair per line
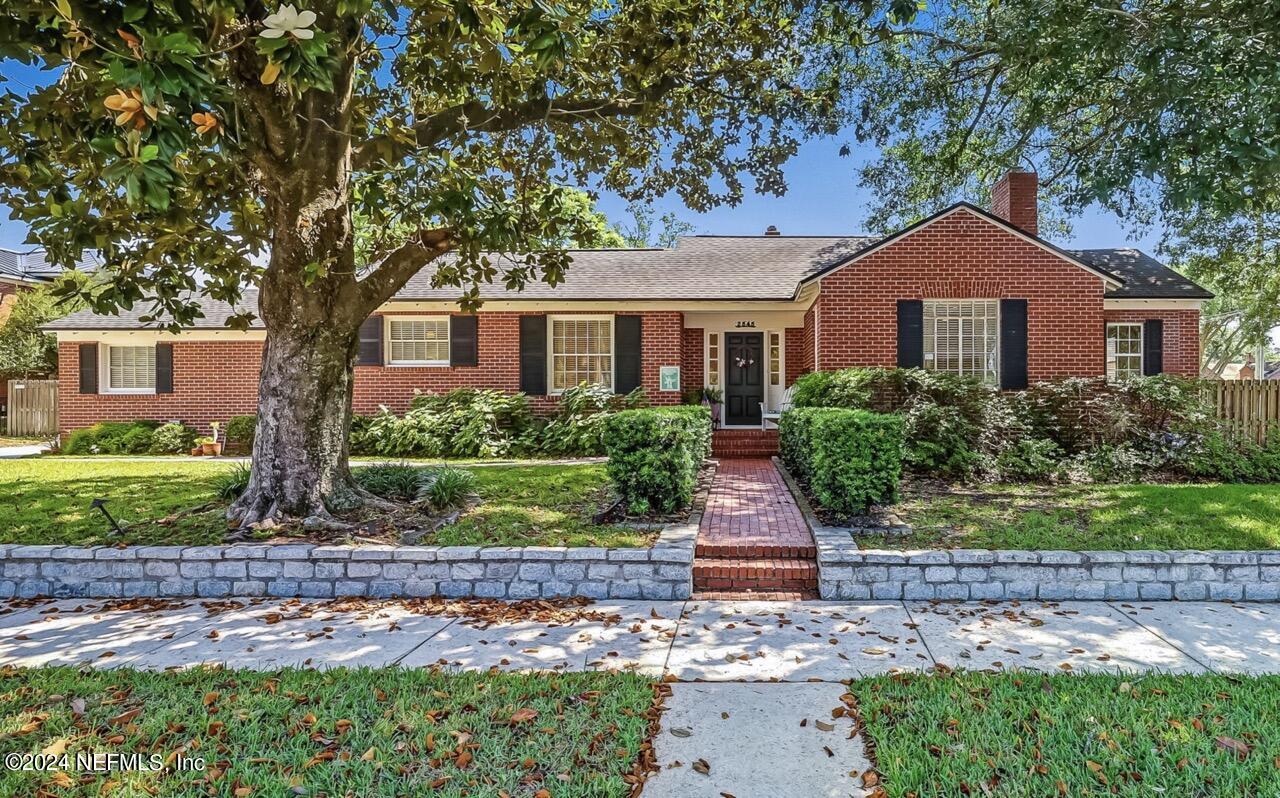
46, 501
1025, 735
1083, 517
386, 732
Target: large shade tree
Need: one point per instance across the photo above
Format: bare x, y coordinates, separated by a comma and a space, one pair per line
187, 141
1157, 110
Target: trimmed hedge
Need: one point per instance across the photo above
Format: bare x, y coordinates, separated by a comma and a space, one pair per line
850, 459
655, 454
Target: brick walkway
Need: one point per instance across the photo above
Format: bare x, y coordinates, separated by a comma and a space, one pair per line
753, 537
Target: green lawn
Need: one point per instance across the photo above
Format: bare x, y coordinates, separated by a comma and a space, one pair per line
6, 440
370, 733
46, 500
1023, 735
1081, 517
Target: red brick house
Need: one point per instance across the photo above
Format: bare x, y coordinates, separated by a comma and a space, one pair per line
966, 290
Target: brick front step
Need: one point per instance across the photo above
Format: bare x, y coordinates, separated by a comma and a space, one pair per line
756, 595
755, 573
734, 551
744, 443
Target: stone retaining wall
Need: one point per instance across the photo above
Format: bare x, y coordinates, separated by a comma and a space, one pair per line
846, 572
664, 571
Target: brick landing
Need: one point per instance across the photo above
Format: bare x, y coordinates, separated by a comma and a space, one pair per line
753, 541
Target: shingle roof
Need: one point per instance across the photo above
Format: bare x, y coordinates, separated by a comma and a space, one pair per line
742, 268
698, 267
33, 265
1144, 277
216, 312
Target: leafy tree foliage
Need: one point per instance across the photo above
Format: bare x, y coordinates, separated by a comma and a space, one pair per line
189, 141
644, 232
26, 351
1162, 104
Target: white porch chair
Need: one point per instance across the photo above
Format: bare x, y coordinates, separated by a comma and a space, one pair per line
775, 416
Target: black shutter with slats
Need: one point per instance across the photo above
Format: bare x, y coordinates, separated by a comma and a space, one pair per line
910, 333
1013, 344
370, 353
1152, 347
533, 355
88, 368
164, 368
463, 341
626, 349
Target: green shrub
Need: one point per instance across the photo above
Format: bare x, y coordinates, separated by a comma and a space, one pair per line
795, 441
442, 488
942, 414
112, 437
395, 481
1222, 456
232, 482
466, 422
855, 456
241, 431
655, 454
578, 427
172, 438
1028, 460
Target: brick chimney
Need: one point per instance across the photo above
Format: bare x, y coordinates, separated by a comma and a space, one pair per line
1013, 199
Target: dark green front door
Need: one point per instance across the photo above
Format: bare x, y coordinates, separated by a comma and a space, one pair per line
744, 377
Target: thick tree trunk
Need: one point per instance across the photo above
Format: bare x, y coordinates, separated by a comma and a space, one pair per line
304, 411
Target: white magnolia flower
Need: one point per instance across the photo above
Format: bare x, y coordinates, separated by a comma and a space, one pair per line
291, 21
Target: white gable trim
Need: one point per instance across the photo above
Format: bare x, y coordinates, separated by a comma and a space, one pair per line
901, 235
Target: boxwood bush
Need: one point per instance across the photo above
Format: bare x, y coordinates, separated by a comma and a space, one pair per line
655, 454
850, 459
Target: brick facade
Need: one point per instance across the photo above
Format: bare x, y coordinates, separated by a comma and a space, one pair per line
1181, 336
214, 380
693, 368
963, 256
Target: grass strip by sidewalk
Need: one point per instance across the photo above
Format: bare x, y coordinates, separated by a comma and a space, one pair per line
1084, 517
372, 733
1026, 735
46, 501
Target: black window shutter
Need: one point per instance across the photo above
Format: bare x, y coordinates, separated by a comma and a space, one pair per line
463, 341
1152, 347
88, 368
370, 342
626, 353
1013, 344
533, 355
164, 368
910, 333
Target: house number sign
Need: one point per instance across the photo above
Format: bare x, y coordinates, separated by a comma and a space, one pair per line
745, 324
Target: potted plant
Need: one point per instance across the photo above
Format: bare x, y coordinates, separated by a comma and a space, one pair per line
211, 445
713, 397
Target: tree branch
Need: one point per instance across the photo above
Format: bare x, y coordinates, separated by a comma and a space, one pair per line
395, 270
477, 117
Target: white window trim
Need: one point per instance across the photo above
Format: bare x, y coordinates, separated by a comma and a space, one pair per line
386, 342
104, 371
998, 364
551, 345
1142, 347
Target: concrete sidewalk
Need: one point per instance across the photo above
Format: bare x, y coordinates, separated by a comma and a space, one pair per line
718, 641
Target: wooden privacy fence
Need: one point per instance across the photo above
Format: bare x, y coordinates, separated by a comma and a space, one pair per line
33, 408
1249, 407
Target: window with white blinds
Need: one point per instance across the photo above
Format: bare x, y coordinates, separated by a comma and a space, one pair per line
581, 351
131, 369
418, 342
963, 337
1124, 351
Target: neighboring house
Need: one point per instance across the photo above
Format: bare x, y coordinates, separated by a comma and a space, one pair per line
966, 290
1270, 370
22, 271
